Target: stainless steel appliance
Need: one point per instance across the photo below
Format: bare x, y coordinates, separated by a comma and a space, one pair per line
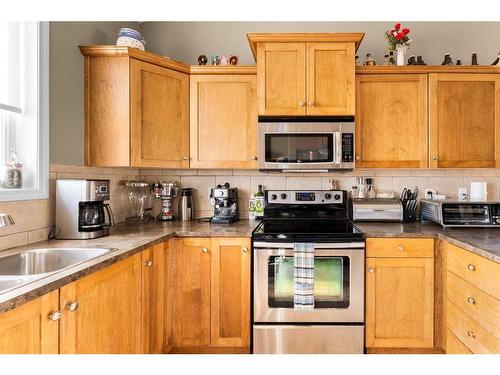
186, 206
455, 213
308, 144
166, 191
377, 209
225, 201
81, 209
336, 324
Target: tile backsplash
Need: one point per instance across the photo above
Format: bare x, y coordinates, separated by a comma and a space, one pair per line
35, 218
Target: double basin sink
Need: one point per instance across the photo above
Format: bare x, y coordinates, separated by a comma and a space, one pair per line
31, 265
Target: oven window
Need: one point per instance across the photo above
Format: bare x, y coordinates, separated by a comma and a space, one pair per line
299, 148
331, 281
466, 213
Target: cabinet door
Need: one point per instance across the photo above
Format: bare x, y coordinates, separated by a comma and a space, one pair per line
159, 116
223, 121
191, 324
399, 302
28, 330
230, 292
281, 78
107, 319
330, 79
391, 121
154, 293
465, 120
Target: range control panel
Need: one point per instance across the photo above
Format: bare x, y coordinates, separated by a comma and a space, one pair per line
495, 214
304, 196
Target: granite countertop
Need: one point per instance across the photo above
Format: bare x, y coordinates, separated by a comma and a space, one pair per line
126, 240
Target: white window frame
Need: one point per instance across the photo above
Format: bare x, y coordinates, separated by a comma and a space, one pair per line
42, 189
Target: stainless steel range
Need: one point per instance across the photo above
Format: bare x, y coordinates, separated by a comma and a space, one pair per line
336, 324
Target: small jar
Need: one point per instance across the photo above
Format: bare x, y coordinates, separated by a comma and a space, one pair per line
13, 175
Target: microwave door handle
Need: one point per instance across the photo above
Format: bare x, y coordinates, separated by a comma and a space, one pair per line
110, 215
338, 147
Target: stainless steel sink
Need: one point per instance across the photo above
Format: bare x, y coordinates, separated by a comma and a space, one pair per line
38, 262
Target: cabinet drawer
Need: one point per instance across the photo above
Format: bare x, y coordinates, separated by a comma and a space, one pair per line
478, 339
479, 271
479, 305
400, 247
454, 345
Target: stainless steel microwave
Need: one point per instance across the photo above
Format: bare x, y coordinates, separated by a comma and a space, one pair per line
306, 144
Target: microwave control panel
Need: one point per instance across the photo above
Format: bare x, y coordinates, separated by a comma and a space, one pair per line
347, 147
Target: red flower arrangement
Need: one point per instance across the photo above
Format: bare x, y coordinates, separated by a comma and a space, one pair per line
398, 37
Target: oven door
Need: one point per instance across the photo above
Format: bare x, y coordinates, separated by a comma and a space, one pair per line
338, 284
300, 146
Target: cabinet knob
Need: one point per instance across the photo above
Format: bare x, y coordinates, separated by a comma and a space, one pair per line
358, 157
73, 306
371, 270
471, 334
149, 263
254, 158
401, 247
54, 315
302, 103
471, 267
435, 157
205, 250
245, 250
310, 104
471, 300
185, 157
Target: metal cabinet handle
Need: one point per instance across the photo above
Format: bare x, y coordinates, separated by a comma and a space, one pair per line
149, 263
205, 250
401, 247
245, 250
303, 103
371, 270
435, 157
310, 104
54, 315
471, 334
185, 157
471, 300
358, 157
73, 306
254, 158
471, 267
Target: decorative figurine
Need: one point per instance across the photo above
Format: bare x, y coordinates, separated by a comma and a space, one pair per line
233, 60
411, 60
420, 61
356, 61
391, 58
386, 59
202, 60
369, 60
224, 60
447, 60
459, 61
497, 61
215, 60
474, 59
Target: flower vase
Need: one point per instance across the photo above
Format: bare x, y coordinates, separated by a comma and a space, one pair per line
400, 55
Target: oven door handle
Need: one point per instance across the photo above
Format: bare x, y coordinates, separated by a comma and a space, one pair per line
319, 245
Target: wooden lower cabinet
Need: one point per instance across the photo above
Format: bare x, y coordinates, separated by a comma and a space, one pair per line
28, 329
212, 295
108, 316
399, 302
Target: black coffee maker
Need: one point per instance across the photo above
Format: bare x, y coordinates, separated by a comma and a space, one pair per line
225, 201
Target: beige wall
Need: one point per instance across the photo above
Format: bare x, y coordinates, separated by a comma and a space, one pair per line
34, 218
66, 83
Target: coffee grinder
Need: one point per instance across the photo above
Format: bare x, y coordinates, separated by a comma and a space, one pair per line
166, 191
225, 201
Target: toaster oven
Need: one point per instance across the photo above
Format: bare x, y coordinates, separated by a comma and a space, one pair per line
451, 213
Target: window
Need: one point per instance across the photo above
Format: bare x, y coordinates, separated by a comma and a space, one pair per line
24, 124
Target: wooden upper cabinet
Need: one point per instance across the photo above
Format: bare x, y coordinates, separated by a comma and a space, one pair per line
191, 326
159, 116
28, 330
230, 292
281, 75
330, 78
108, 316
391, 121
223, 121
464, 120
136, 109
